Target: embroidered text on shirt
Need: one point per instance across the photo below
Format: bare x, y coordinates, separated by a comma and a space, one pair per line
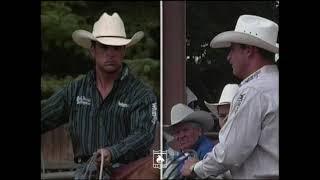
124, 105
253, 76
154, 113
83, 100
238, 102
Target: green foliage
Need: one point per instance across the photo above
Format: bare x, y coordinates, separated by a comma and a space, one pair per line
146, 48
148, 70
57, 24
59, 19
52, 84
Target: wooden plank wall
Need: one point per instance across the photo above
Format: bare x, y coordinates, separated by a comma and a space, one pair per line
56, 148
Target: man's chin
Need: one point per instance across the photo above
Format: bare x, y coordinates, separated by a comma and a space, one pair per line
111, 69
184, 147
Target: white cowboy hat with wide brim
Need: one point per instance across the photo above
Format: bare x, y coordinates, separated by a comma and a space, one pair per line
226, 97
251, 30
181, 113
191, 97
108, 30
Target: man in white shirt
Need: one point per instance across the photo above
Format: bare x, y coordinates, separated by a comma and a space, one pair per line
249, 141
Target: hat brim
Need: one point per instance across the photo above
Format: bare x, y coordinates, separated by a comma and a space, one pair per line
202, 117
213, 107
225, 39
83, 38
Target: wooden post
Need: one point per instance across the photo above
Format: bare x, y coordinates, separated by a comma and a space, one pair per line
174, 55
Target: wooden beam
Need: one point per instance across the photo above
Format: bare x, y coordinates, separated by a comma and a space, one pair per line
58, 175
59, 165
174, 56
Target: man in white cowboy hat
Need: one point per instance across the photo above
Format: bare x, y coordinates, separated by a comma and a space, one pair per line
221, 109
249, 141
187, 128
111, 113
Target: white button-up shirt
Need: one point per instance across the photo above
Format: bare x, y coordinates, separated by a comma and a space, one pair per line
249, 141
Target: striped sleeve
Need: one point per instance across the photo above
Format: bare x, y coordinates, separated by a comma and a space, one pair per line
142, 132
53, 111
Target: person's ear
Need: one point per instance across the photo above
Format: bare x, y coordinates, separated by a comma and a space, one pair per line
200, 131
250, 50
92, 51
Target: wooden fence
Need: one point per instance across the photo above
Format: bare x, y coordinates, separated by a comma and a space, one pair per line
56, 149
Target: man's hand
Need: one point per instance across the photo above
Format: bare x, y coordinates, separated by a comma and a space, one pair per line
106, 157
186, 169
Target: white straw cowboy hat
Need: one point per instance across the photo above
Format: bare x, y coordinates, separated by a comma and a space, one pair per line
190, 96
108, 30
226, 97
276, 57
250, 30
181, 113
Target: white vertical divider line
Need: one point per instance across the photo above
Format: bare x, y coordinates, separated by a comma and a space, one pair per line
161, 82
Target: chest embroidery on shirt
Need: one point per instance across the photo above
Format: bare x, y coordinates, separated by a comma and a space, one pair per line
124, 105
83, 100
238, 102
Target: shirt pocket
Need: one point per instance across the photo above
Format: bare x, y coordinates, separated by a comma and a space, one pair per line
78, 115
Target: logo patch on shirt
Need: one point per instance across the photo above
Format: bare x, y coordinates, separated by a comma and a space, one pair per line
154, 113
124, 105
238, 102
83, 100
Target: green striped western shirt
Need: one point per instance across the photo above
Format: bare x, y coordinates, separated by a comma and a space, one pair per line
124, 122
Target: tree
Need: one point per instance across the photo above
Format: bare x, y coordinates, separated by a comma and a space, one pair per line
59, 52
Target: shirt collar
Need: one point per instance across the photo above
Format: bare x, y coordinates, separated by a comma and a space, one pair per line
262, 70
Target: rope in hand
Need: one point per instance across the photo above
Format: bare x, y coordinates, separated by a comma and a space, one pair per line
101, 165
90, 162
